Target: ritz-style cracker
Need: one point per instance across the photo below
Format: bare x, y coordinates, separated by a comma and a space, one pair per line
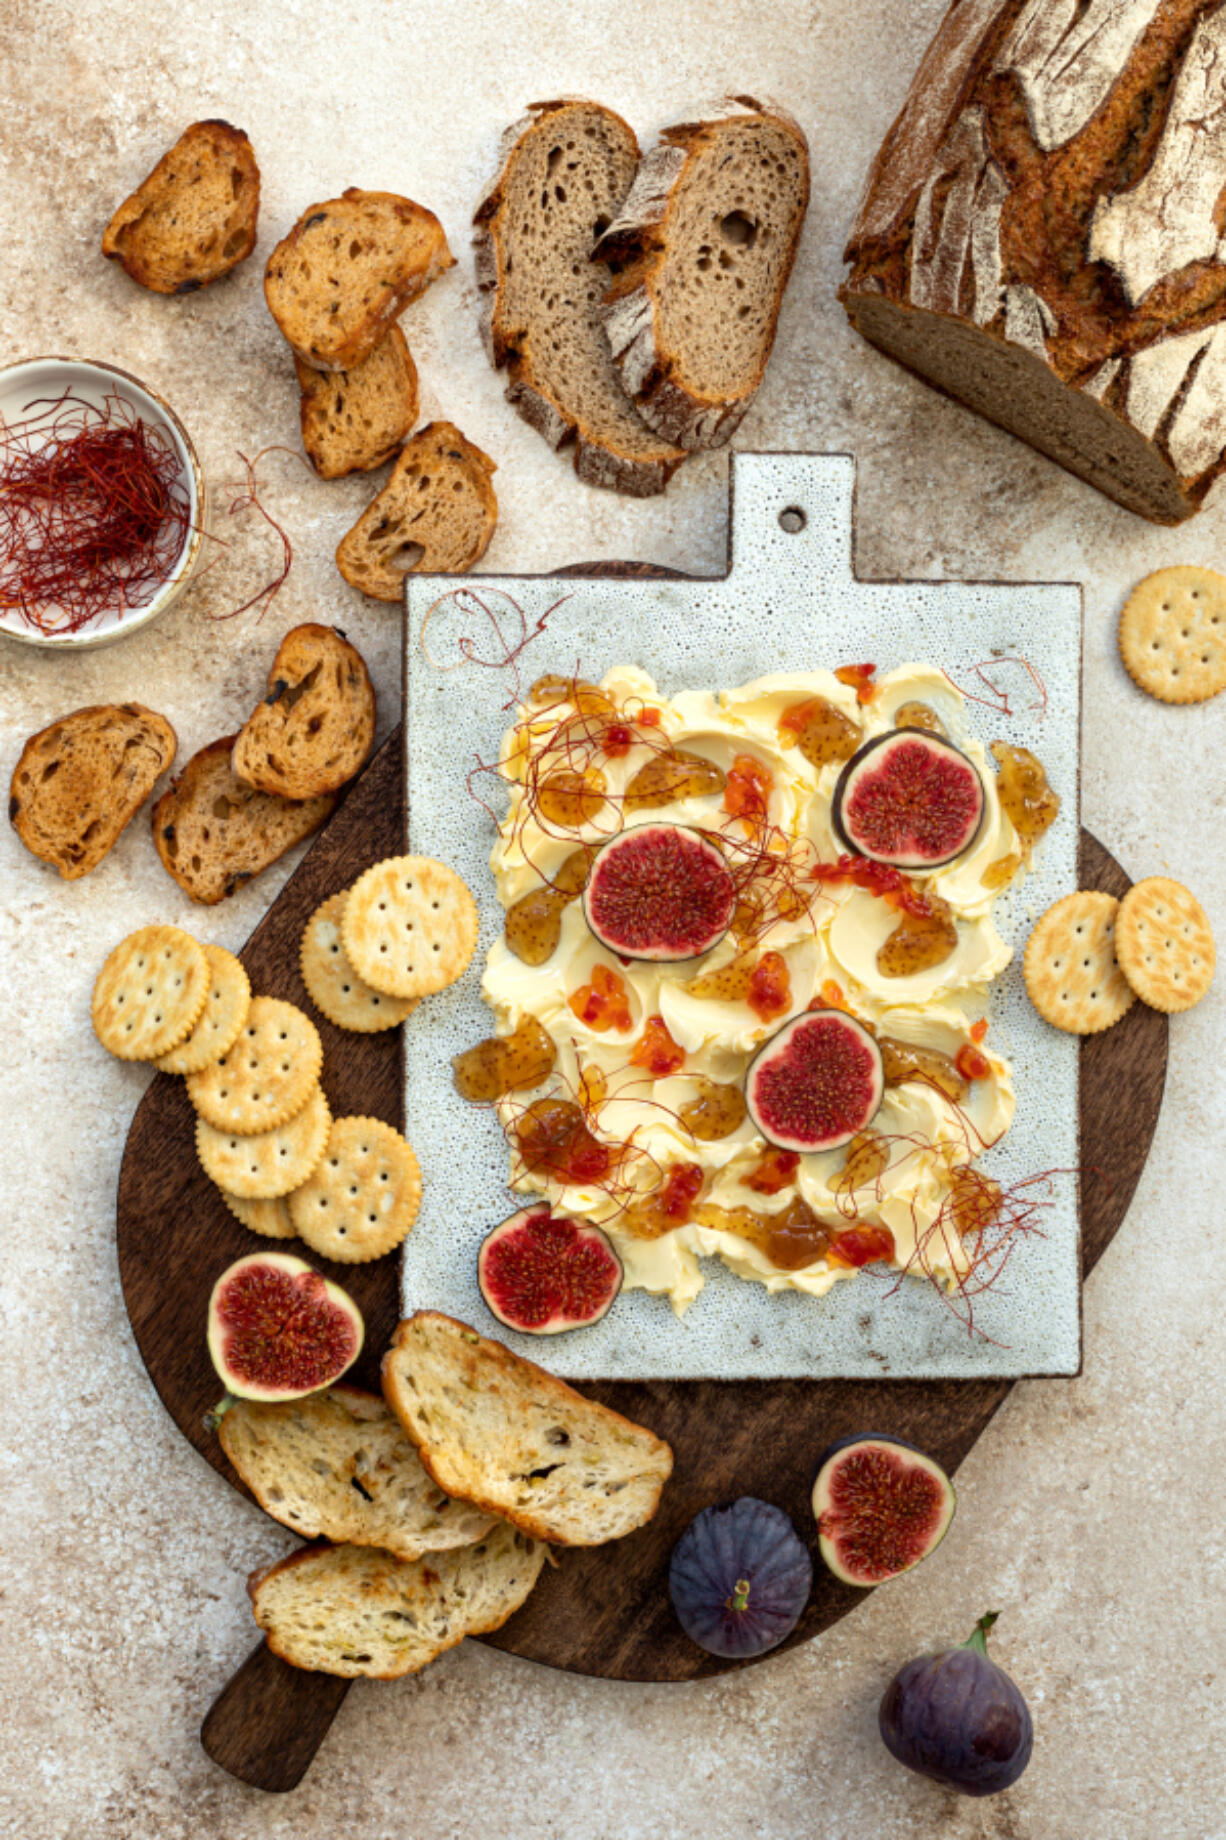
263, 1166
363, 1196
267, 1076
409, 926
1070, 966
150, 993
333, 985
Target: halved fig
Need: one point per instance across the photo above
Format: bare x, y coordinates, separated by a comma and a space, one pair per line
544, 1273
278, 1330
739, 1578
881, 1506
660, 892
909, 798
816, 1083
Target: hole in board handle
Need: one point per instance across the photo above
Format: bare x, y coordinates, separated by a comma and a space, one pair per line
792, 519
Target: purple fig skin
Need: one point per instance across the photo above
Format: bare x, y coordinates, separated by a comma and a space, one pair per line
739, 1578
959, 1719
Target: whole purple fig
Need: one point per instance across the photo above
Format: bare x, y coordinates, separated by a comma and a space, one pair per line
958, 1718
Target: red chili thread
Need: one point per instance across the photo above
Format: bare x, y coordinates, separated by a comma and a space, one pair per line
246, 497
1001, 706
469, 601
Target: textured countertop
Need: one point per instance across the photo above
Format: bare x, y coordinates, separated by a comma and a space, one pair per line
1090, 1514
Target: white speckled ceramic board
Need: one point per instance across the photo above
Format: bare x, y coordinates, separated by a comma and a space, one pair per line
789, 602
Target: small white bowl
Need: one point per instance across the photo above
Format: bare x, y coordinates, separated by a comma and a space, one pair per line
37, 379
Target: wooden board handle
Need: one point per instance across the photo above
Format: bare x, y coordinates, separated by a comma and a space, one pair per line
269, 1720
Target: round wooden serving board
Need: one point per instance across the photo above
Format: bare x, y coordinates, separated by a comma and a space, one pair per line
603, 1611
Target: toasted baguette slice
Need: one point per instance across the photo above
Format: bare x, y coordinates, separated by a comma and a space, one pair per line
316, 726
563, 172
356, 419
702, 250
353, 1610
194, 218
496, 1430
213, 832
435, 515
81, 781
347, 269
338, 1464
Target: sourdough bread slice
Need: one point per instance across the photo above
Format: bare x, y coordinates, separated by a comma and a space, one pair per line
353, 1610
435, 515
347, 269
81, 781
496, 1430
194, 218
316, 726
338, 1463
701, 253
355, 419
563, 173
214, 832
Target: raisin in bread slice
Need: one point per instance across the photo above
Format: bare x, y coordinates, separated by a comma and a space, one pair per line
496, 1430
316, 726
435, 515
355, 419
353, 1610
338, 1464
347, 269
194, 218
214, 832
81, 781
563, 173
701, 252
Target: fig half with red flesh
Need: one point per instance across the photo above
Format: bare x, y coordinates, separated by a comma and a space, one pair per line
544, 1273
910, 799
278, 1330
881, 1506
816, 1083
739, 1578
660, 892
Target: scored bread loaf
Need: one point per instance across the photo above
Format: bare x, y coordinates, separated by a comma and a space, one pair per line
338, 1464
355, 419
347, 269
194, 218
354, 1610
316, 726
214, 832
436, 515
563, 173
82, 780
701, 252
1041, 236
496, 1430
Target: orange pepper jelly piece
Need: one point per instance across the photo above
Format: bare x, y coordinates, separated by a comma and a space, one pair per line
1025, 796
657, 1051
860, 678
669, 1207
603, 1004
775, 1172
716, 1111
505, 1063
862, 1246
748, 789
670, 776
769, 993
821, 732
972, 1063
554, 1140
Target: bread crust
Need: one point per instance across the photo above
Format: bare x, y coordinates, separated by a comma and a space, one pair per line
216, 139
325, 759
36, 782
215, 882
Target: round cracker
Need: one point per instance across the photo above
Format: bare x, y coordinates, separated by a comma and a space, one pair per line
272, 1163
150, 992
363, 1196
1071, 974
1172, 634
267, 1076
334, 986
409, 926
268, 1217
1164, 944
223, 1015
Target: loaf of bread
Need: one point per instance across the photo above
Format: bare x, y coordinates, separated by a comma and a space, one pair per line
436, 515
563, 173
214, 832
355, 419
194, 218
701, 253
1041, 236
353, 1610
316, 726
500, 1432
83, 779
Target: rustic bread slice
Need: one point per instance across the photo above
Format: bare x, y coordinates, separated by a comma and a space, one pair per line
83, 779
355, 419
347, 269
353, 1610
435, 515
496, 1430
194, 218
316, 726
701, 252
563, 172
338, 1464
213, 832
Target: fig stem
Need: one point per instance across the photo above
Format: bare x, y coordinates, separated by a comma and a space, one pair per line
978, 1636
213, 1419
740, 1595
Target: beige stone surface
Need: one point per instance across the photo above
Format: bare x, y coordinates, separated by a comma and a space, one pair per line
1090, 1515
